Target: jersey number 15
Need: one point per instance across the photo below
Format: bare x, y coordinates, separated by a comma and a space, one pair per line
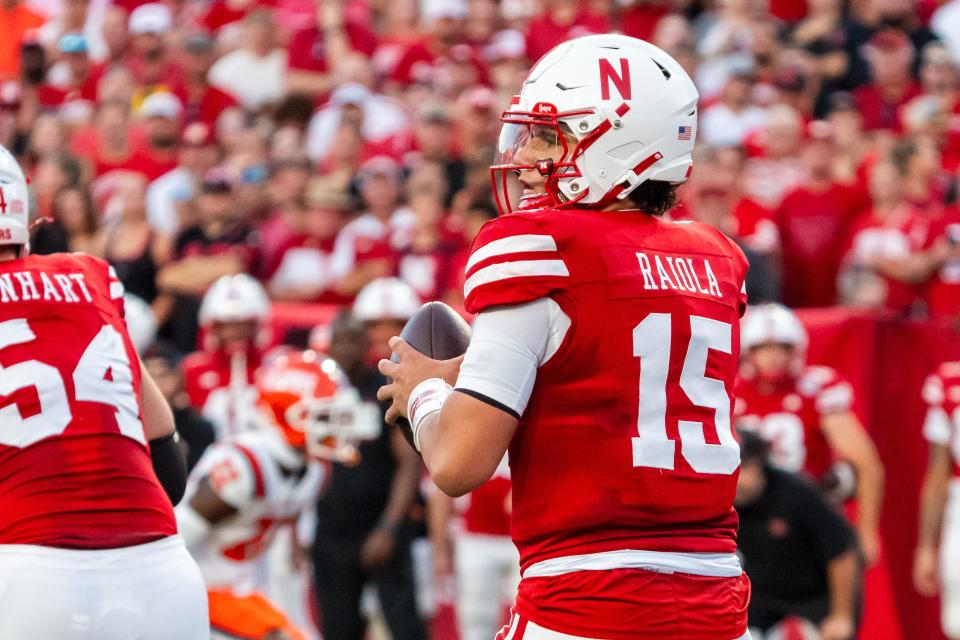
652, 447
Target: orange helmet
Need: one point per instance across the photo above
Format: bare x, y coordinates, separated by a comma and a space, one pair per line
307, 398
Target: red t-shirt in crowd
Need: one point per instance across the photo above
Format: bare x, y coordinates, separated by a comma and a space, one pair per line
640, 20
813, 227
219, 14
208, 107
895, 237
544, 33
86, 144
307, 50
877, 112
53, 96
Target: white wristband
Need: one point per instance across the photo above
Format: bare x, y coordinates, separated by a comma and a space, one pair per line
426, 398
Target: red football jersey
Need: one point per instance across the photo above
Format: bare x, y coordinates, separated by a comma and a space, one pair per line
941, 391
75, 468
228, 403
789, 416
626, 441
488, 506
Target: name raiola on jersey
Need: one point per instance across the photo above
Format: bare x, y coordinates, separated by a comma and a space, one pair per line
685, 274
28, 286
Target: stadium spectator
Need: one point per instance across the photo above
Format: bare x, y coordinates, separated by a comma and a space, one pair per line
728, 121
161, 114
890, 54
202, 102
167, 195
560, 21
256, 72
777, 169
219, 243
363, 531
131, 246
18, 20
814, 220
150, 62
74, 224
366, 245
799, 552
75, 78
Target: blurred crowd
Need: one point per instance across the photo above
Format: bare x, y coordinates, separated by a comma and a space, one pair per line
323, 146
318, 147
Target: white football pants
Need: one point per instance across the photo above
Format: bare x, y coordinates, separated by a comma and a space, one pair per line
520, 629
950, 564
152, 591
488, 572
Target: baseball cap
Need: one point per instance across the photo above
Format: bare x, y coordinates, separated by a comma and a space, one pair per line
889, 40
350, 93
478, 98
161, 104
152, 17
9, 94
435, 114
72, 43
438, 9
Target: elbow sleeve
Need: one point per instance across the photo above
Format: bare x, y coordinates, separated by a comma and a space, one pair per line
170, 465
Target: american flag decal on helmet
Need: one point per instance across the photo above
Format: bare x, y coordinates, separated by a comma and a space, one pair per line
684, 132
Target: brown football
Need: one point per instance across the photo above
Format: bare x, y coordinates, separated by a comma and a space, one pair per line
436, 331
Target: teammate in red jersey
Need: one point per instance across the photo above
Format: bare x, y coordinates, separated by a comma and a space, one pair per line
88, 538
603, 356
805, 413
940, 506
218, 378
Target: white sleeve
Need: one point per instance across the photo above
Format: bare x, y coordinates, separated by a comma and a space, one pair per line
508, 346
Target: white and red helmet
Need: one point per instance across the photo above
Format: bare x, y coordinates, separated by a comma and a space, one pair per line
772, 324
14, 202
631, 108
386, 299
235, 298
306, 397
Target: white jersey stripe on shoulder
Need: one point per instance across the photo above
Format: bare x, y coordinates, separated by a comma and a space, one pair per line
517, 269
512, 244
116, 290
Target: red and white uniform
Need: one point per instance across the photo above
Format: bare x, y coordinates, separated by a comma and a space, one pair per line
942, 427
86, 530
75, 469
487, 564
220, 386
269, 485
790, 416
624, 463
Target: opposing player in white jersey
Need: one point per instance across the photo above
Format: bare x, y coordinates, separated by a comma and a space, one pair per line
89, 462
247, 488
940, 507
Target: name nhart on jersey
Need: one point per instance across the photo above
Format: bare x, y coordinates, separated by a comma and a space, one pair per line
678, 274
28, 286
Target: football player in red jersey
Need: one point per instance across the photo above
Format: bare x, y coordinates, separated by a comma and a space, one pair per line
940, 501
603, 356
218, 378
805, 413
88, 458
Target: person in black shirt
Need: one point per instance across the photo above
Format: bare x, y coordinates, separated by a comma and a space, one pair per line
363, 533
799, 553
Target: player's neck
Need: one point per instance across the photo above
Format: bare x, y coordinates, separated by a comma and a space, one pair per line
9, 253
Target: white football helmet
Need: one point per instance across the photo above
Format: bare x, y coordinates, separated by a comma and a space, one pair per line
14, 202
235, 298
386, 298
631, 108
771, 324
141, 322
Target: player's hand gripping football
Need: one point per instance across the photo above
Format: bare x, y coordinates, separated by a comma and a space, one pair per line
411, 369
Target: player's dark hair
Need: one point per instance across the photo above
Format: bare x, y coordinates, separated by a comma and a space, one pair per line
654, 197
753, 448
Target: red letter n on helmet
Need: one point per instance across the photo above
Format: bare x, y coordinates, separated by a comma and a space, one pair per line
621, 80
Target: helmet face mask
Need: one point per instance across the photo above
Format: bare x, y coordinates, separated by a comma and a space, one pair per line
334, 427
306, 398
